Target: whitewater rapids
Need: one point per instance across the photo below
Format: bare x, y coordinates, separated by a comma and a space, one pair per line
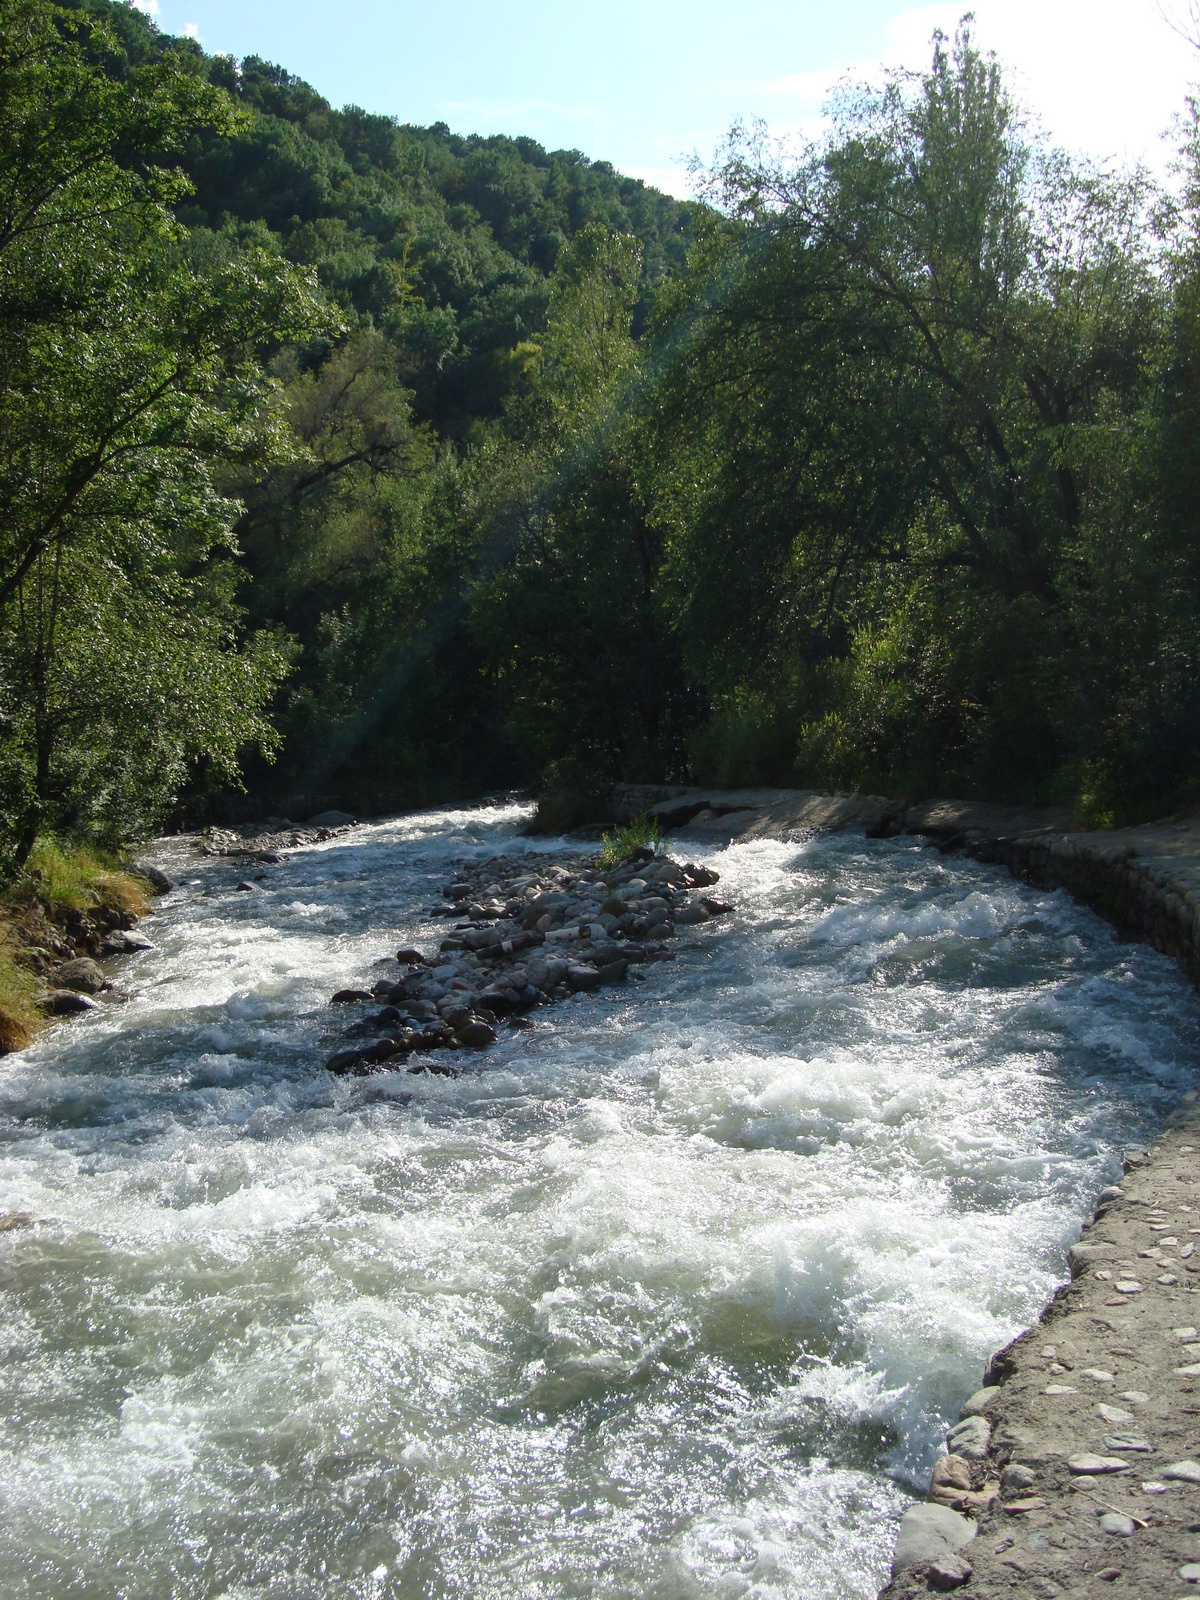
669, 1299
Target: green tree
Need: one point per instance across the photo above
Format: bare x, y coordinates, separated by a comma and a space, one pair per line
128, 373
899, 444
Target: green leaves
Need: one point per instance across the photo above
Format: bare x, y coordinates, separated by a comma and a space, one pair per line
128, 374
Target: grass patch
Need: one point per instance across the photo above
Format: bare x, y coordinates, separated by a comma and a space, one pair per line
80, 877
643, 833
20, 1014
59, 879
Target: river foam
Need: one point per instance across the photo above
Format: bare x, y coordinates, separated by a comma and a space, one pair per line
671, 1297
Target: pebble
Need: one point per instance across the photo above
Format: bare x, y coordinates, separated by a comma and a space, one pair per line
1182, 1471
1098, 1374
1127, 1286
1128, 1441
1188, 1372
1092, 1466
1186, 1333
1113, 1414
948, 1572
1032, 1503
1134, 1397
1017, 1477
1059, 1388
1114, 1522
1190, 1573
1151, 1487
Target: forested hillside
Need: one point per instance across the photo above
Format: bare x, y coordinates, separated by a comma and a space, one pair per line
363, 463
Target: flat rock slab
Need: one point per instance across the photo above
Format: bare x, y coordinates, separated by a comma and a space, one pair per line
1094, 1503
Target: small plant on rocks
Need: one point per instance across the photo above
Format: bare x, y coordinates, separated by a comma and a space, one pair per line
643, 833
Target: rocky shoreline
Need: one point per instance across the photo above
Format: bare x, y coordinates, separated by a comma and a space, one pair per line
1074, 1471
521, 938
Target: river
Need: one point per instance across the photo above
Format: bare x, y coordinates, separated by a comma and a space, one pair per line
670, 1297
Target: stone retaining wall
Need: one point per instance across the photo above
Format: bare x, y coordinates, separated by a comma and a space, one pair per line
1155, 900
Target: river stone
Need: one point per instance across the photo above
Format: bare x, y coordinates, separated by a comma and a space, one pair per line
1016, 1479
345, 997
154, 876
121, 943
1092, 1466
475, 1033
689, 916
331, 819
1190, 1573
579, 978
82, 975
343, 1061
68, 1003
949, 1572
1182, 1472
930, 1533
1188, 1372
980, 1401
1113, 1414
1081, 1255
970, 1438
1114, 1522
1128, 1441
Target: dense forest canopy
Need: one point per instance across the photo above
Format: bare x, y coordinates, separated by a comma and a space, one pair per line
366, 463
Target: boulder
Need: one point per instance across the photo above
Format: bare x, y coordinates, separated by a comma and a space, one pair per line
343, 1061
331, 819
930, 1534
82, 975
475, 1033
345, 997
120, 943
156, 878
580, 978
970, 1438
980, 1401
67, 1003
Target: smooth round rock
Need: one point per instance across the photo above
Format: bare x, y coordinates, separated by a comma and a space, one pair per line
980, 1401
1115, 1523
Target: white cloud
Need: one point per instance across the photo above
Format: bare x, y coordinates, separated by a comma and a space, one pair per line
150, 7
191, 30
1104, 76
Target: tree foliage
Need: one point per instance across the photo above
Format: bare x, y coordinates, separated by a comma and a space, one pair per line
429, 463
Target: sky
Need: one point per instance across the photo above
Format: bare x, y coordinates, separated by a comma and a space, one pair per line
647, 83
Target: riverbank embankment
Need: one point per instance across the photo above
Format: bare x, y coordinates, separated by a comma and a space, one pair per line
1075, 1470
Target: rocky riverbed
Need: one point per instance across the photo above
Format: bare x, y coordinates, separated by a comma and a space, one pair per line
521, 939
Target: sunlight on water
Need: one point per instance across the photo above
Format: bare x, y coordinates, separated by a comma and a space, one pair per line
670, 1297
